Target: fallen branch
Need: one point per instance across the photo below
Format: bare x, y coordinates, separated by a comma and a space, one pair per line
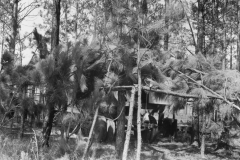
197, 71
173, 93
211, 91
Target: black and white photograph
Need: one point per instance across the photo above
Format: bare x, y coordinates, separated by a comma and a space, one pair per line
119, 79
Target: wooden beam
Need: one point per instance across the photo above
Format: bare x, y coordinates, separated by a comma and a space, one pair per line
183, 95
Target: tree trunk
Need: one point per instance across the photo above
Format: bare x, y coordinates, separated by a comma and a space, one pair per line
14, 27
3, 38
224, 36
47, 127
139, 137
76, 22
22, 124
238, 45
203, 136
196, 126
231, 48
213, 28
200, 35
66, 22
120, 131
56, 24
166, 35
129, 126
90, 134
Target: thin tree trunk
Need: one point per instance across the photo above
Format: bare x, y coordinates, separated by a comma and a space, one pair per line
14, 27
22, 124
231, 55
224, 37
76, 22
198, 124
129, 126
166, 35
66, 22
47, 127
56, 23
213, 28
190, 26
238, 54
203, 136
88, 145
94, 38
200, 36
238, 44
54, 43
120, 131
3, 38
139, 137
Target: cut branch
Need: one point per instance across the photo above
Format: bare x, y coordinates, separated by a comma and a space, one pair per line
211, 91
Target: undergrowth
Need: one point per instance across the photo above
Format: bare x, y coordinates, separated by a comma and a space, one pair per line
29, 149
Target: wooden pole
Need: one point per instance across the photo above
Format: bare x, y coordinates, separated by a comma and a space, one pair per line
129, 126
90, 134
139, 137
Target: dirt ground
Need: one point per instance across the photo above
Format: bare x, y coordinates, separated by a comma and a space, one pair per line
161, 150
181, 151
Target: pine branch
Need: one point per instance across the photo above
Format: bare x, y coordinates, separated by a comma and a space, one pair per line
211, 91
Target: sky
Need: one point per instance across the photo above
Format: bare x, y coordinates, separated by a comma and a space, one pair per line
27, 26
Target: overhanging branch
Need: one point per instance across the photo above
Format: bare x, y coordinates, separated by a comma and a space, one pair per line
146, 88
218, 96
